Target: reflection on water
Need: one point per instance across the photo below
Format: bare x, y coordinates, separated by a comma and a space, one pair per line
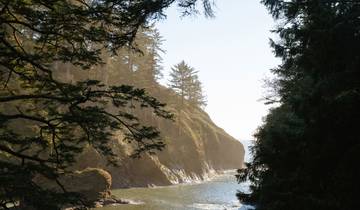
219, 194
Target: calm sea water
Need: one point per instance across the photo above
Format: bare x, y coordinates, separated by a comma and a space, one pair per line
217, 194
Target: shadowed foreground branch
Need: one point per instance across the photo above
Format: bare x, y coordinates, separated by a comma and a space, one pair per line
46, 121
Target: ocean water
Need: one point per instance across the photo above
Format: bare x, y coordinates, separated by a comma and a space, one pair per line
216, 194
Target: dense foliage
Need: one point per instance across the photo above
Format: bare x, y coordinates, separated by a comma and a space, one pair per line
307, 152
47, 119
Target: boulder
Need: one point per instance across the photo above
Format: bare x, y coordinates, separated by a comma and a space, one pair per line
92, 183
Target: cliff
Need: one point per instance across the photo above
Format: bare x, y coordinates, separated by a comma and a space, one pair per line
195, 149
195, 146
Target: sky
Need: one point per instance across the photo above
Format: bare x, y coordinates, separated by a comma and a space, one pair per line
231, 53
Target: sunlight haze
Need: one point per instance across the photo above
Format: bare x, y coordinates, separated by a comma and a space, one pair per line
233, 56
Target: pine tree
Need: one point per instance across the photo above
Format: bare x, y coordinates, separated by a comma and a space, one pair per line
154, 52
307, 151
180, 79
196, 96
45, 120
148, 58
185, 82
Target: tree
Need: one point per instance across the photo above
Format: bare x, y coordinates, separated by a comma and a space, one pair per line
180, 78
307, 151
184, 81
141, 66
151, 51
148, 59
196, 96
45, 119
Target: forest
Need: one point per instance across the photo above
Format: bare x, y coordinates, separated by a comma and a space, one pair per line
72, 74
307, 151
75, 72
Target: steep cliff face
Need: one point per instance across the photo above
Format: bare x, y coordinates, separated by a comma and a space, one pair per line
196, 148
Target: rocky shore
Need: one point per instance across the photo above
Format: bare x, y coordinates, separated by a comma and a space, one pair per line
195, 148
111, 201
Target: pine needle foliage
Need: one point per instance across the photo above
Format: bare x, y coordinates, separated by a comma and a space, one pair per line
185, 82
307, 152
45, 121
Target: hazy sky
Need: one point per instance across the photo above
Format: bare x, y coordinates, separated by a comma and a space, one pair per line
231, 53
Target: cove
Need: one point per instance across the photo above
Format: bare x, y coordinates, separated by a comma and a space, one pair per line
216, 194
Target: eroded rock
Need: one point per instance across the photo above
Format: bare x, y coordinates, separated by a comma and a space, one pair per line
92, 184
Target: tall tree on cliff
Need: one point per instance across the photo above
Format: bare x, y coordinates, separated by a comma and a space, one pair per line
141, 66
307, 151
148, 59
196, 96
45, 120
185, 82
180, 79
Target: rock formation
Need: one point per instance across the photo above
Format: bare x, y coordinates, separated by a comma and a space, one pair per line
92, 183
196, 149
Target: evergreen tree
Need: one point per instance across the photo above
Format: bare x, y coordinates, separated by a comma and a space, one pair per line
149, 58
184, 81
307, 151
45, 119
180, 78
195, 92
154, 51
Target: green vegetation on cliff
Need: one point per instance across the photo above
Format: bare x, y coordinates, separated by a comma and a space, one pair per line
195, 146
195, 149
46, 121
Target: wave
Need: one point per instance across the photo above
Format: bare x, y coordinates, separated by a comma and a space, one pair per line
211, 206
247, 207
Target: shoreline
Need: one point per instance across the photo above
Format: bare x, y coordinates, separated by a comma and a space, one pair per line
215, 193
193, 182
117, 200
